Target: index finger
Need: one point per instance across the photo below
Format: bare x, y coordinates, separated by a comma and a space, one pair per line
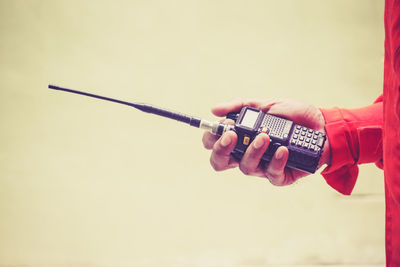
235, 105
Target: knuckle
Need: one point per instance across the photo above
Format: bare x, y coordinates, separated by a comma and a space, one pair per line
244, 169
253, 154
218, 149
206, 146
207, 142
275, 182
216, 165
273, 174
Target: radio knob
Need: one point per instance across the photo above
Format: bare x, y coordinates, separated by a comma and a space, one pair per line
233, 116
265, 130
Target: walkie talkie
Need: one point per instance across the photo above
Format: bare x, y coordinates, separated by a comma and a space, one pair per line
305, 145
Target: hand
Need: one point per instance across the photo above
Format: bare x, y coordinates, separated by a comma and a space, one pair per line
299, 112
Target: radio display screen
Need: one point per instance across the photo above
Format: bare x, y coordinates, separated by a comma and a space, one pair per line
250, 118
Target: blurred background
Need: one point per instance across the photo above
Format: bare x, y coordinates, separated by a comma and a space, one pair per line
85, 182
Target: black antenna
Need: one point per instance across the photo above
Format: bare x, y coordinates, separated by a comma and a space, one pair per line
143, 107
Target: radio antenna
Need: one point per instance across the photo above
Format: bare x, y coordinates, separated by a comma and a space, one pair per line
214, 127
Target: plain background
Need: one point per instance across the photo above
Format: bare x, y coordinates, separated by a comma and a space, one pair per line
85, 182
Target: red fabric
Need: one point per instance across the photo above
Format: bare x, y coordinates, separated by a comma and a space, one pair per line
355, 137
372, 134
391, 135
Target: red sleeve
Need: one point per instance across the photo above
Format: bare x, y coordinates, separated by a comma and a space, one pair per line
355, 137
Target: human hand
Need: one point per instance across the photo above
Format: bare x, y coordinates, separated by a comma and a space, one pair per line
299, 112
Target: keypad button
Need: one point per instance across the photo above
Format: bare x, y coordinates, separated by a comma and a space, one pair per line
298, 127
299, 143
310, 130
308, 140
303, 133
309, 135
295, 136
304, 129
312, 147
301, 138
314, 142
315, 137
297, 131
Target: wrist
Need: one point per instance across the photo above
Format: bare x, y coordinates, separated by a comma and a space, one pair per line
326, 154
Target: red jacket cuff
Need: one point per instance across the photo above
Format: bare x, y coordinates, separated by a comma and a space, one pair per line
342, 171
355, 137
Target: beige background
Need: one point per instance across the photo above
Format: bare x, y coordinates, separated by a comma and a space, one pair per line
90, 183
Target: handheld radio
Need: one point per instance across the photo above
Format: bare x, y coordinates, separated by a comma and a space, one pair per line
304, 144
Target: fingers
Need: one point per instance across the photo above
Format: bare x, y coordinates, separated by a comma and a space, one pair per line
209, 139
221, 158
223, 108
251, 158
275, 171
221, 155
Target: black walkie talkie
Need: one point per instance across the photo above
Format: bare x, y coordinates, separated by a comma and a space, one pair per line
304, 144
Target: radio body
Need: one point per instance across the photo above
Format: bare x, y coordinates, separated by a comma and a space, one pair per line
305, 145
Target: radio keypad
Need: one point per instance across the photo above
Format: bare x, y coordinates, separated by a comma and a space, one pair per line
307, 138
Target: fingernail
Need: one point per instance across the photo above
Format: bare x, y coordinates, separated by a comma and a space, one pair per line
279, 153
258, 142
225, 141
